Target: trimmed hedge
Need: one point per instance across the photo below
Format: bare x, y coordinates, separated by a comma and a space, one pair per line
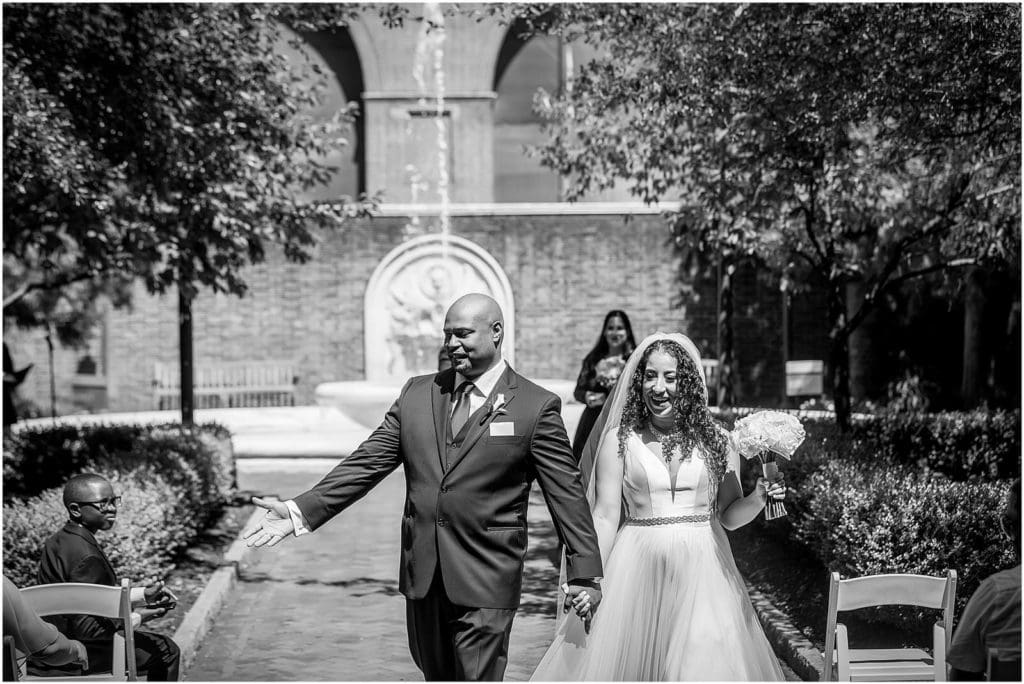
977, 445
173, 482
901, 493
863, 519
966, 446
38, 458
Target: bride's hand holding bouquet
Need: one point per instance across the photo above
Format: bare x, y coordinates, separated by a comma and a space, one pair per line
764, 435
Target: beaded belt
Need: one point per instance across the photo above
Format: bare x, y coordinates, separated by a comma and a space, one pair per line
698, 518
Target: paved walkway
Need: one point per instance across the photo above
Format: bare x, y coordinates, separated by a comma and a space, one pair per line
326, 606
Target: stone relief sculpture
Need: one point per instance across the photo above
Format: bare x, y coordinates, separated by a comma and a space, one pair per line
418, 299
409, 293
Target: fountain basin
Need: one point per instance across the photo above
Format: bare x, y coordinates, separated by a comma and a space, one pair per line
366, 401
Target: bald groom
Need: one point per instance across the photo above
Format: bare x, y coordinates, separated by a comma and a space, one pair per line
471, 439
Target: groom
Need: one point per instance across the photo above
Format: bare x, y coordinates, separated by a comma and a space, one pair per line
471, 440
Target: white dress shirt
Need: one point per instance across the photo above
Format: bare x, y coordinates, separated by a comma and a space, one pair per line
482, 388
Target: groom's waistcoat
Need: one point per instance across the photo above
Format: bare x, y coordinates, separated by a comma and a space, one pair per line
466, 499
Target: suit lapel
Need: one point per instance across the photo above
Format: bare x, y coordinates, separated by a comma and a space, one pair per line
440, 400
479, 421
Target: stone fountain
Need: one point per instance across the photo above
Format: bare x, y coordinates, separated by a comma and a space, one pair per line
411, 289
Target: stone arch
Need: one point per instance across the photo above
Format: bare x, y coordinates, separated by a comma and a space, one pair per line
368, 58
337, 54
409, 293
523, 66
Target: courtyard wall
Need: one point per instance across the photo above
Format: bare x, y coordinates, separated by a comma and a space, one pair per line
566, 271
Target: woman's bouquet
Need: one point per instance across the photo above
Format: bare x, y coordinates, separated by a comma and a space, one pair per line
765, 435
609, 370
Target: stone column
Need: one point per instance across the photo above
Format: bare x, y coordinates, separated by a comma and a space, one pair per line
403, 149
406, 94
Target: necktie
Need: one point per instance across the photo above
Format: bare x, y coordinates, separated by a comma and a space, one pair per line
461, 413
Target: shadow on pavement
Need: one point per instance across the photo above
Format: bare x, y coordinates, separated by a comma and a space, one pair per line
388, 587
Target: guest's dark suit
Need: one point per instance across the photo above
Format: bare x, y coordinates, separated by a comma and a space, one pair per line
464, 526
72, 555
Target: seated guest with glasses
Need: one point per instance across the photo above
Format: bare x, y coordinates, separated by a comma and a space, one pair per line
72, 554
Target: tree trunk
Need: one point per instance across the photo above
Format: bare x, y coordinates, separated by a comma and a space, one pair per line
786, 303
972, 373
53, 376
865, 380
185, 356
726, 394
839, 355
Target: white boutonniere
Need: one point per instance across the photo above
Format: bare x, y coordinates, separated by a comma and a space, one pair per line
498, 408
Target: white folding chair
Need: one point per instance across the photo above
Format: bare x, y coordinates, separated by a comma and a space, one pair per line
75, 598
12, 672
888, 664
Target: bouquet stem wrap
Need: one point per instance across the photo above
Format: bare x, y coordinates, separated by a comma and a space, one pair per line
772, 509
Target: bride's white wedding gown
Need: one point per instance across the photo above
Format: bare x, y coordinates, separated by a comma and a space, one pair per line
674, 605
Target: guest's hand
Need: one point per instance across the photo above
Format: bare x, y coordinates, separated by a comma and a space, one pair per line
147, 614
772, 489
154, 592
594, 399
81, 655
275, 526
584, 599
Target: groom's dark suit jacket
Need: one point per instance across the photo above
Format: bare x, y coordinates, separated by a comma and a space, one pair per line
471, 516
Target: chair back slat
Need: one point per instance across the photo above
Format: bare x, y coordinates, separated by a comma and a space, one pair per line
828, 666
74, 598
887, 590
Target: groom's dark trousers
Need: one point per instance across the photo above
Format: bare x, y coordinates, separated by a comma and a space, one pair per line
464, 523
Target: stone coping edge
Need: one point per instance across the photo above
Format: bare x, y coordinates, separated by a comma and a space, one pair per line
199, 619
788, 642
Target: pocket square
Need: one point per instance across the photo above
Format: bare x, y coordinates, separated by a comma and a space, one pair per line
506, 429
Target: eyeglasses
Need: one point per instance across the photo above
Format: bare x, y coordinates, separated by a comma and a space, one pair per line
113, 501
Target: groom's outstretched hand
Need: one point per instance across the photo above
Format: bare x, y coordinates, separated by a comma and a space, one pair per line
275, 526
583, 596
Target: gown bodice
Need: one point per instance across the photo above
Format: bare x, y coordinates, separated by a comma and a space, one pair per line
647, 484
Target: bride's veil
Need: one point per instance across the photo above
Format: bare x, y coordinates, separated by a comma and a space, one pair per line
607, 425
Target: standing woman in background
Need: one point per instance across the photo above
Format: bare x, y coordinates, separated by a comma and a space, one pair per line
601, 368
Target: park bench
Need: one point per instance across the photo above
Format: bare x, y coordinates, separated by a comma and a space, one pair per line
231, 384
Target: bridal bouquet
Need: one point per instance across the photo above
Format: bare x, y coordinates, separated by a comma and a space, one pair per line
609, 370
765, 435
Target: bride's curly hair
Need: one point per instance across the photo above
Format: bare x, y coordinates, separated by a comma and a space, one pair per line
694, 425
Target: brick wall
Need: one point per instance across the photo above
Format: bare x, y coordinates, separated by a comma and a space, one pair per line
566, 273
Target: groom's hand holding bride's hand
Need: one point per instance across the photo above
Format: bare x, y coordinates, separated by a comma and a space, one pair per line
275, 526
583, 596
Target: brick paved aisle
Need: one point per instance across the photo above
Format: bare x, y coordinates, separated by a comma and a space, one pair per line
326, 606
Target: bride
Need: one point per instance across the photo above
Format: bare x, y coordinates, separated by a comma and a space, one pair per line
675, 606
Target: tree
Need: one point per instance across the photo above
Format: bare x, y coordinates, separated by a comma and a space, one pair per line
860, 145
166, 143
